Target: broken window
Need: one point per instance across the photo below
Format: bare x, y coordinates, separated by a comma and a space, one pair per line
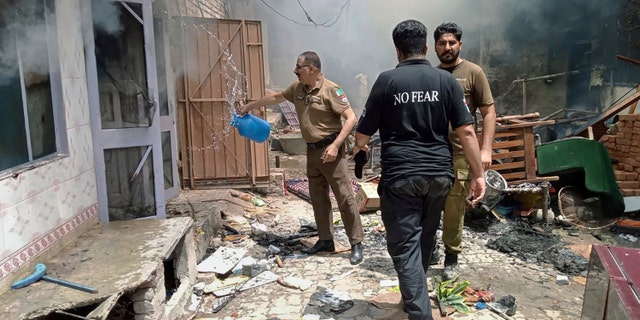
27, 107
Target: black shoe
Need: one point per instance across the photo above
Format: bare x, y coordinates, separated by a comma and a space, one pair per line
435, 253
435, 256
322, 245
450, 266
356, 253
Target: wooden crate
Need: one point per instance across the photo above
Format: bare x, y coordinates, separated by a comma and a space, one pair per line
514, 152
514, 155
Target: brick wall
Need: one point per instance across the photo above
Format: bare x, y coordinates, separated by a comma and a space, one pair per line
623, 143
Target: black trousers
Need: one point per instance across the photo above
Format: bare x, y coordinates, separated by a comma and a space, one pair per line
411, 209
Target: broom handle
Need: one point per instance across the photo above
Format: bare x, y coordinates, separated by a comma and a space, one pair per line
70, 284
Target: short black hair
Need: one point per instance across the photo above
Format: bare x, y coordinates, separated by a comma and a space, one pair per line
312, 58
447, 27
410, 37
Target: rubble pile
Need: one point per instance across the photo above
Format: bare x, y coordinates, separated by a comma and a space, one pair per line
622, 144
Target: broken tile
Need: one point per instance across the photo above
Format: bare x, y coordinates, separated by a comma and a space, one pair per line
295, 283
222, 260
261, 279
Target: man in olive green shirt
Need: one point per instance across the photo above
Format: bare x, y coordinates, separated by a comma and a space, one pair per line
474, 83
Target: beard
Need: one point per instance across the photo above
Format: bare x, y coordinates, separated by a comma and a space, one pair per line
453, 56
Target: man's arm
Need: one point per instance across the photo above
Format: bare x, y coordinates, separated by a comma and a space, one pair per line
362, 143
270, 99
488, 131
467, 136
331, 152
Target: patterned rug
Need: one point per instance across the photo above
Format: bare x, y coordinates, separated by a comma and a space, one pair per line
300, 187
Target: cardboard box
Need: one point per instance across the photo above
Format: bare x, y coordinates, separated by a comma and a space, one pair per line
367, 197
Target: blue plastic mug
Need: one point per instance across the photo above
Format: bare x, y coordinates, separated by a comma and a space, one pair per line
252, 127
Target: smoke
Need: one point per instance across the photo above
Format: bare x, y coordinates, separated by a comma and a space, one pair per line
360, 39
509, 39
106, 16
24, 35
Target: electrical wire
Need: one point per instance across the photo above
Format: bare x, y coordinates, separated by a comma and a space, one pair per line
328, 23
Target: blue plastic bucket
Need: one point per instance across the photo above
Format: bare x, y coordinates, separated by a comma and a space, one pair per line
252, 127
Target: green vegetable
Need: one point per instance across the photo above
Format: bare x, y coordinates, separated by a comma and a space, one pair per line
450, 292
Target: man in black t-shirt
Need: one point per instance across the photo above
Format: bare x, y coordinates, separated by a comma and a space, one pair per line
413, 106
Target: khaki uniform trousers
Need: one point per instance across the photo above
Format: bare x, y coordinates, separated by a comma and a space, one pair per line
455, 205
334, 175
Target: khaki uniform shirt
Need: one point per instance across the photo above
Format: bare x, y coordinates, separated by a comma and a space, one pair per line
319, 109
477, 92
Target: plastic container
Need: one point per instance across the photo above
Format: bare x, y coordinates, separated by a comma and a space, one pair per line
252, 127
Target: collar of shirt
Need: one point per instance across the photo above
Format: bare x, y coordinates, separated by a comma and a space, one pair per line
317, 86
413, 61
451, 68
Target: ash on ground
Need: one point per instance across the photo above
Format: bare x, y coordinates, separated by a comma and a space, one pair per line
536, 244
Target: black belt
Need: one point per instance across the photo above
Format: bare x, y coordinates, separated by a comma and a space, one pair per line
322, 143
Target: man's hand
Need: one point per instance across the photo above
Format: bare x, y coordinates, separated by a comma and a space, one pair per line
357, 149
476, 190
485, 157
242, 108
330, 154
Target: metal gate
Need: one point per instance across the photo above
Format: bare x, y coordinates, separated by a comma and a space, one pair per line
222, 63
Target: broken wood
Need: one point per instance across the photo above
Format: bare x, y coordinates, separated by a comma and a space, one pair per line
526, 124
442, 308
279, 261
627, 59
632, 108
627, 226
599, 129
533, 115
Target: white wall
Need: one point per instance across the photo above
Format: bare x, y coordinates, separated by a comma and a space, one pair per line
43, 208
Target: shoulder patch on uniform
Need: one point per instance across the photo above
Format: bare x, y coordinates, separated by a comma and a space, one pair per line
342, 96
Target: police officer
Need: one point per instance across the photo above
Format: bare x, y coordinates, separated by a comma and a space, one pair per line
413, 106
321, 106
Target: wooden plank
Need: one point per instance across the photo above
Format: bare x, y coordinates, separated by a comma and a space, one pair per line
525, 124
533, 115
198, 79
508, 144
511, 176
529, 153
627, 59
507, 134
599, 128
508, 165
619, 107
632, 109
508, 154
